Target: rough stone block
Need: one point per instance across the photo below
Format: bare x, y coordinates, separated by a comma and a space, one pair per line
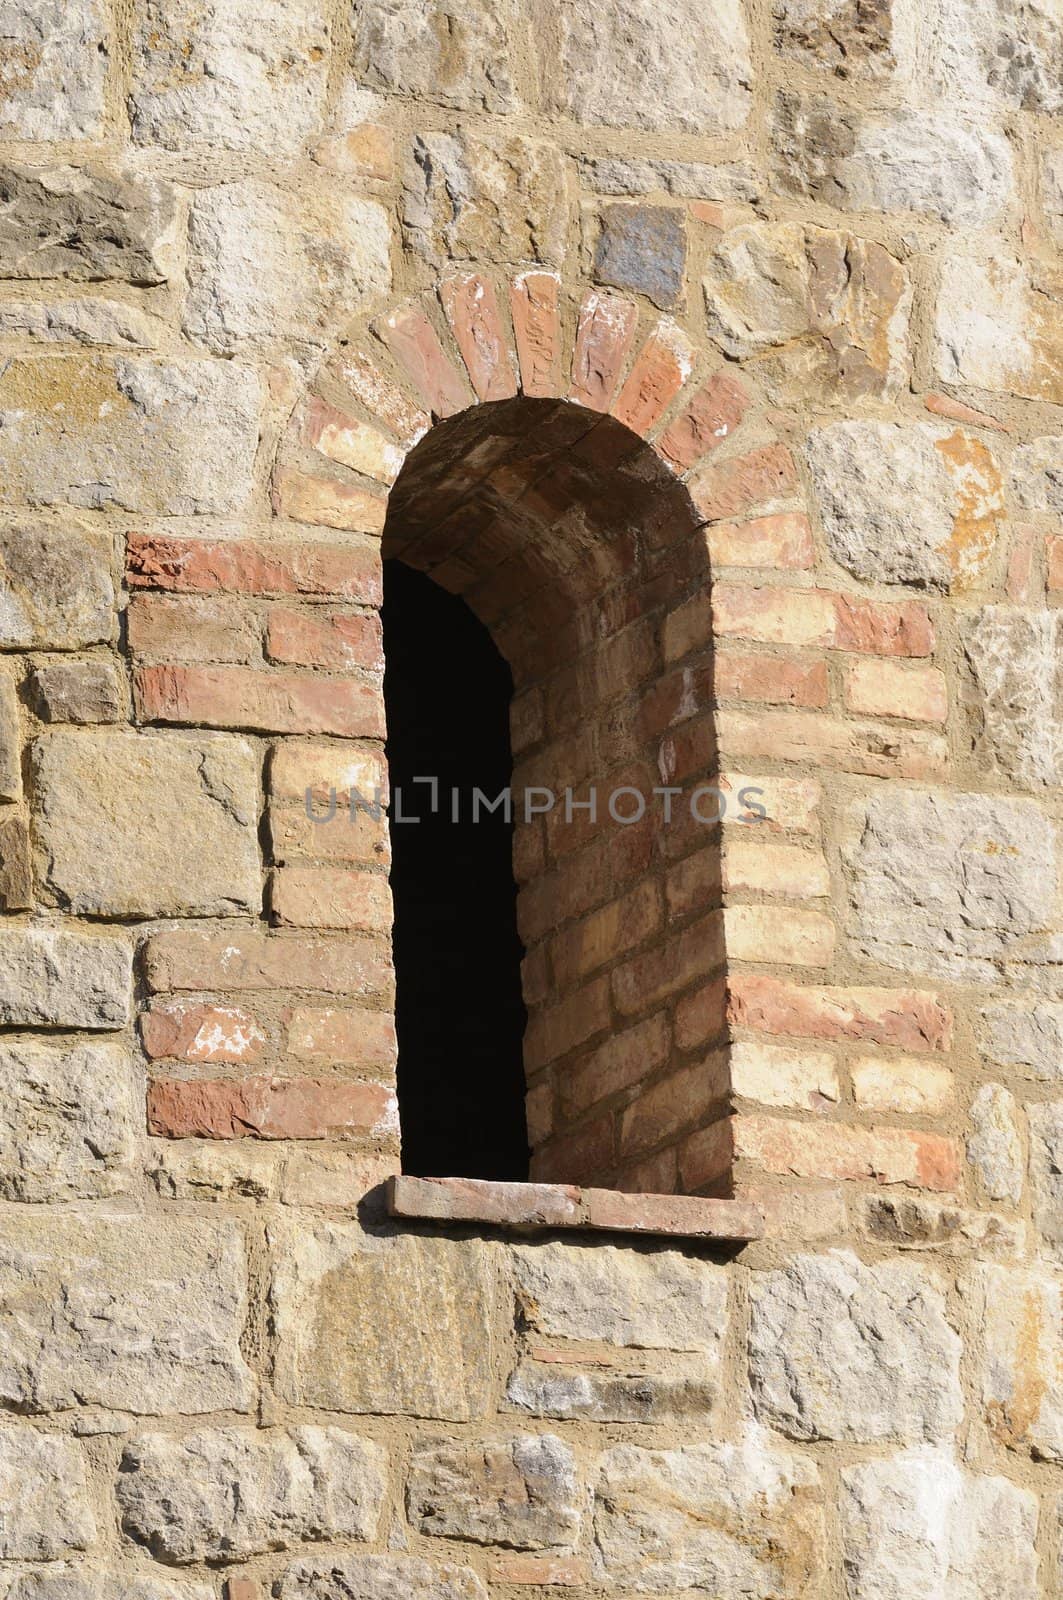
842, 1350
45, 1496
913, 1222
56, 58
78, 691
55, 588
177, 438
994, 1145
65, 1581
724, 1519
997, 326
226, 1493
123, 1312
457, 53
1020, 1318
643, 248
1015, 1035
851, 38
918, 505
379, 1578
85, 224
271, 268
1015, 662
16, 878
521, 1490
51, 978
572, 1393
1046, 1170
10, 738
235, 74
88, 319
1037, 474
400, 1325
472, 197
68, 1121
150, 825
1005, 54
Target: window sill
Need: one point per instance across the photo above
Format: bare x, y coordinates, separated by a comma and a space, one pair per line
530, 1206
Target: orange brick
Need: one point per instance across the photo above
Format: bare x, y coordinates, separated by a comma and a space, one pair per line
771, 680
324, 503
688, 627
887, 689
1055, 563
682, 957
755, 862
880, 750
696, 882
586, 1154
239, 697
604, 333
331, 839
701, 1016
783, 540
607, 933
323, 897
661, 368
341, 1037
270, 1108
471, 308
784, 934
363, 375
533, 302
552, 1032
837, 1151
349, 441
1020, 563
186, 960
707, 1157
298, 765
676, 1103
881, 629
246, 566
912, 1019
199, 1032
623, 1060
415, 345
193, 628
790, 803
773, 616
903, 1084
744, 483
565, 1572
711, 417
943, 405
332, 640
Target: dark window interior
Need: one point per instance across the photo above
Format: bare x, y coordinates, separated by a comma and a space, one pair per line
459, 1012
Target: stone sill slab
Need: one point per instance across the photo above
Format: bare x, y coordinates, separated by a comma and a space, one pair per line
527, 1206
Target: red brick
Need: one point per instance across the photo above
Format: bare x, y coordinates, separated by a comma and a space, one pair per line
783, 540
416, 347
912, 1019
712, 416
683, 956
324, 503
838, 1151
607, 933
888, 689
706, 1158
542, 1205
472, 311
604, 333
365, 378
701, 1016
744, 483
270, 1108
882, 629
1055, 563
193, 628
324, 897
943, 405
661, 368
533, 303
340, 437
201, 1032
267, 702
681, 1101
585, 1153
186, 960
623, 1060
243, 1589
332, 640
331, 839
773, 616
564, 1572
246, 566
1020, 564
337, 1036
553, 1032
773, 680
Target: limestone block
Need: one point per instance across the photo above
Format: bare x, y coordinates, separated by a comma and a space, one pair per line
268, 267
44, 1493
69, 1115
472, 197
10, 738
1052, 190
1005, 52
234, 74
152, 825
948, 885
997, 326
89, 319
842, 1350
521, 1491
551, 1389
1037, 474
994, 1146
917, 1523
378, 1578
1046, 1169
1014, 661
55, 58
918, 504
86, 224
177, 438
660, 65
227, 1493
78, 691
457, 53
400, 1325
51, 978
724, 1519
1014, 1035
64, 1581
853, 39
1020, 1318
55, 587
16, 878
130, 1313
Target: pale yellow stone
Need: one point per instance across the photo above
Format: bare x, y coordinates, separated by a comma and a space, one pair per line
758, 864
903, 1084
777, 1076
773, 933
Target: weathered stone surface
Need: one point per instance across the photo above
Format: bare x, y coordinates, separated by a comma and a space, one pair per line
997, 326
89, 319
468, 197
907, 160
274, 268
16, 876
10, 737
1020, 1316
68, 1120
1009, 53
44, 1493
917, 1523
391, 1324
456, 52
55, 588
78, 691
842, 1350
239, 74
725, 1519
661, 1301
1014, 1035
851, 37
694, 180
63, 1581
912, 1222
835, 307
85, 223
379, 1578
226, 1493
1046, 1169
994, 1146
51, 978
1037, 474
907, 504
54, 60
178, 438
646, 64
1015, 663
122, 1312
130, 824
1052, 189
520, 1490
948, 884
549, 1389
643, 248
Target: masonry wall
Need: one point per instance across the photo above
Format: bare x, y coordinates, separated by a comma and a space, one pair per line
713, 354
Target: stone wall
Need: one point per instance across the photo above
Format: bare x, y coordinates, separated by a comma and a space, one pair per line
767, 295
